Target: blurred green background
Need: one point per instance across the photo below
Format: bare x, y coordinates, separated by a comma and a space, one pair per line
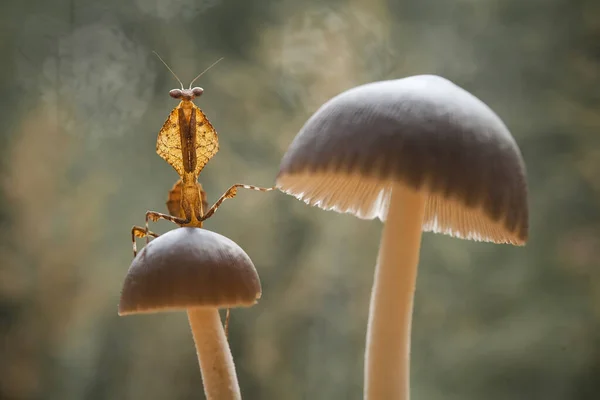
83, 98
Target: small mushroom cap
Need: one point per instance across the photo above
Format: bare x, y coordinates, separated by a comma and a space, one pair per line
424, 132
189, 267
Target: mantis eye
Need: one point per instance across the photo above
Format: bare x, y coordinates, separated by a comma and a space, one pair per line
197, 91
175, 93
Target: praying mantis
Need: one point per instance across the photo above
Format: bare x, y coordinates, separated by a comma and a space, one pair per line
187, 141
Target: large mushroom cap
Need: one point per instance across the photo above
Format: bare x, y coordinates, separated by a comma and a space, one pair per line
189, 267
426, 133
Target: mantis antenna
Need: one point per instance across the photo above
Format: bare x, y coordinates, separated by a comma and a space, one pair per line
202, 73
169, 68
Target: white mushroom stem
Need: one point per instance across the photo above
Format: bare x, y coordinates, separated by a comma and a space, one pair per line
387, 356
216, 363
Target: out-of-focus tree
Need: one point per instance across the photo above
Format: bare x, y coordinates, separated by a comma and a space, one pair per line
84, 99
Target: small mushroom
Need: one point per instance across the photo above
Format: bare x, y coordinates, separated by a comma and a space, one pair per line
198, 271
421, 154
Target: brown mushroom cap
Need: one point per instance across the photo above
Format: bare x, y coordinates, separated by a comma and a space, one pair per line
426, 133
189, 267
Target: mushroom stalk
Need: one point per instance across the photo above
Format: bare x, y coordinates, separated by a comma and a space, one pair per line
216, 363
387, 353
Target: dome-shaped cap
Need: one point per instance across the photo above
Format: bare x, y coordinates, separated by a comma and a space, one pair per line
189, 267
426, 133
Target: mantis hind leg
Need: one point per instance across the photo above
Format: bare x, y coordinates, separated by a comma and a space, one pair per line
139, 232
155, 216
230, 194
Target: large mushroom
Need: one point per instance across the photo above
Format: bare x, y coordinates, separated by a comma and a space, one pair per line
199, 271
421, 154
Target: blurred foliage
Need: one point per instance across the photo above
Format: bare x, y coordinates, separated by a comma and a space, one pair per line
83, 100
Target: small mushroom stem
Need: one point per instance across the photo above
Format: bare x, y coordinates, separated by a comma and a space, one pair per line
387, 353
216, 363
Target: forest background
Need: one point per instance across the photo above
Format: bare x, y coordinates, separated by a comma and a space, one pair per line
83, 98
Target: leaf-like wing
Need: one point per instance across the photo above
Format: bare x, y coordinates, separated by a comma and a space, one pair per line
168, 144
207, 141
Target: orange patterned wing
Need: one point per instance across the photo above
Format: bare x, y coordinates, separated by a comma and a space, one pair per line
207, 142
174, 199
168, 144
